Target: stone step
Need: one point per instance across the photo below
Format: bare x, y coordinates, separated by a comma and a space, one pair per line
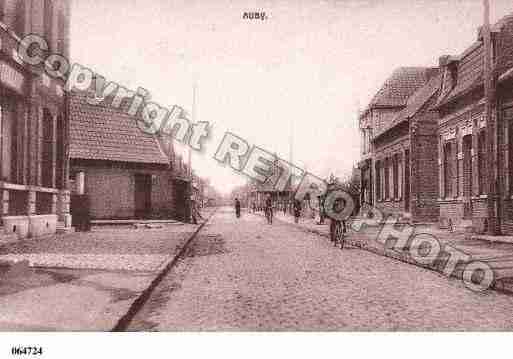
107, 222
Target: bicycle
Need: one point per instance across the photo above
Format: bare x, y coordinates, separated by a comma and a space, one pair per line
338, 232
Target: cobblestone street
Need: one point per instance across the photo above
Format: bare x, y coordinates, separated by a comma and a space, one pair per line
247, 275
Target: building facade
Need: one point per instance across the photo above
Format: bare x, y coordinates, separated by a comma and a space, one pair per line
429, 157
33, 122
398, 135
123, 172
464, 176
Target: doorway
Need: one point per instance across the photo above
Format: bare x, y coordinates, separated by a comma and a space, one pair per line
142, 196
467, 176
407, 181
182, 202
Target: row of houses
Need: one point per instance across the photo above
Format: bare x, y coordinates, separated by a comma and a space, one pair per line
424, 139
55, 145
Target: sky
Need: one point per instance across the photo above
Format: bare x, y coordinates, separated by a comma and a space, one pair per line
303, 73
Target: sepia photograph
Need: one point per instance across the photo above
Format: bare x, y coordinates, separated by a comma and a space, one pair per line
278, 173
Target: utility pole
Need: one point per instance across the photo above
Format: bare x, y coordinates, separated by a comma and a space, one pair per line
291, 159
291, 141
193, 115
492, 128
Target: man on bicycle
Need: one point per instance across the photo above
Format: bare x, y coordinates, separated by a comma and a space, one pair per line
338, 226
269, 209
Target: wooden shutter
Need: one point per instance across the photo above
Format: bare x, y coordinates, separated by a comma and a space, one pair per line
442, 169
454, 167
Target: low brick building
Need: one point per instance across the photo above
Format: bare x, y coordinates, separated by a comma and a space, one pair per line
399, 136
406, 159
463, 170
123, 171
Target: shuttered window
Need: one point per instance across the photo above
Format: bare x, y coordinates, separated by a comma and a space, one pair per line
508, 119
387, 179
2, 3
10, 140
448, 170
395, 171
47, 162
48, 23
378, 180
481, 162
61, 32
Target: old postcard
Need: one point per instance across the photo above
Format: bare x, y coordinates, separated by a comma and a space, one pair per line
255, 166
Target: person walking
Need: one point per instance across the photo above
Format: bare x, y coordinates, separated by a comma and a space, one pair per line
237, 207
297, 210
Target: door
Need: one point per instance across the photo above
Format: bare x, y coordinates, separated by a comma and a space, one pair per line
407, 181
142, 195
467, 176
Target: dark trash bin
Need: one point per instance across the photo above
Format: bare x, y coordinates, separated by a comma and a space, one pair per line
80, 212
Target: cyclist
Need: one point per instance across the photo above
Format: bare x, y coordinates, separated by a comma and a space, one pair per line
337, 226
297, 210
269, 209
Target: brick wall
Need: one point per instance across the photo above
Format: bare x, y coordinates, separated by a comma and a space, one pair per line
479, 208
505, 46
390, 144
424, 158
451, 210
382, 117
391, 207
507, 219
111, 192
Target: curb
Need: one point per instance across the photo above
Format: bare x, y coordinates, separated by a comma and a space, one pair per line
502, 285
137, 304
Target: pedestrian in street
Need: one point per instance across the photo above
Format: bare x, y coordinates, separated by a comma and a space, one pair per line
237, 207
269, 209
297, 210
194, 212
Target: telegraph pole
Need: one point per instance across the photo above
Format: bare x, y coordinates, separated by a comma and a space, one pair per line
492, 128
291, 141
193, 115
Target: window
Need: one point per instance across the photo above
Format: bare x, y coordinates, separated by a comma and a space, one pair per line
2, 7
60, 158
10, 140
48, 23
448, 175
12, 13
508, 119
61, 30
378, 180
387, 178
19, 19
481, 162
73, 175
47, 163
395, 174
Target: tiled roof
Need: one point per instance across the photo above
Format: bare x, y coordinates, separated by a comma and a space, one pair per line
102, 133
414, 103
470, 66
469, 72
400, 85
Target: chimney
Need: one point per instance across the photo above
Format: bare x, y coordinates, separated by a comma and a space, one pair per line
449, 68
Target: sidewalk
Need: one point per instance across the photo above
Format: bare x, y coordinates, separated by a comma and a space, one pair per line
83, 281
498, 255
